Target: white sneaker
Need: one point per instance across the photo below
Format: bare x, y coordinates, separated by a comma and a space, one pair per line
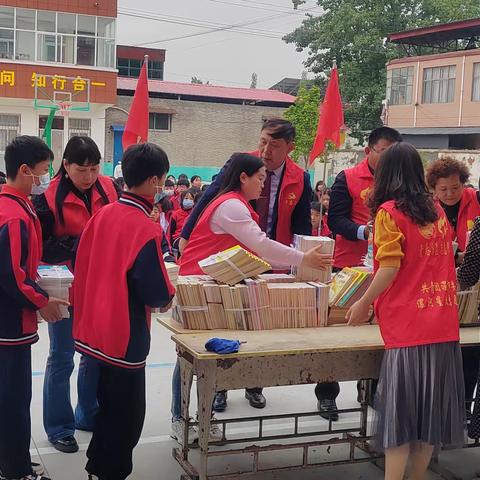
215, 432
177, 432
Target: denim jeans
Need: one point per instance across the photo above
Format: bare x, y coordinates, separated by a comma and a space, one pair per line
176, 408
59, 419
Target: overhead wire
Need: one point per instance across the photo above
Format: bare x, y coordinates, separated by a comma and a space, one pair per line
234, 28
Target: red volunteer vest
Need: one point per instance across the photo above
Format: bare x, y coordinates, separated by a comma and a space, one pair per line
75, 214
359, 182
291, 190
420, 307
203, 242
469, 210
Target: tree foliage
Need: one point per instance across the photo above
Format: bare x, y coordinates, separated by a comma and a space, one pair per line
254, 81
304, 116
353, 32
198, 81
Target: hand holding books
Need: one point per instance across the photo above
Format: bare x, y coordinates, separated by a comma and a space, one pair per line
315, 258
51, 312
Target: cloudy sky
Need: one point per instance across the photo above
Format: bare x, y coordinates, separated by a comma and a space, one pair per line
200, 42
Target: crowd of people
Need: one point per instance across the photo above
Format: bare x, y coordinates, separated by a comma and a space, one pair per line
424, 225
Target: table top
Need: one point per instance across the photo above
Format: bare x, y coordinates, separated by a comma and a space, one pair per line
294, 341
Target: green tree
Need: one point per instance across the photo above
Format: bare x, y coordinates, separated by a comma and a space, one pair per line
198, 81
304, 116
254, 81
353, 32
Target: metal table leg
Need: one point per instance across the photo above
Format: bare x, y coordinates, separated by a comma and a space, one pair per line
206, 385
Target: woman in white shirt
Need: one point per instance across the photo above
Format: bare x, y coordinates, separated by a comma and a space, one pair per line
230, 220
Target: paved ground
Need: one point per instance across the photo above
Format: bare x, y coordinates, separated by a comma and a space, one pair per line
153, 459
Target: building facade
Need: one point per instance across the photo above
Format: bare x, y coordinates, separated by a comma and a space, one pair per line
60, 56
199, 126
434, 98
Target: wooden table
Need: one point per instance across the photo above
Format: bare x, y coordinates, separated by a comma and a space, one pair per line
277, 358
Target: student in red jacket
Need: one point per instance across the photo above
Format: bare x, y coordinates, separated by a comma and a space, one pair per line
27, 160
75, 194
112, 318
179, 217
420, 401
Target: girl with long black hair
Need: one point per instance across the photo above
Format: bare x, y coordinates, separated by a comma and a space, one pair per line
420, 396
75, 193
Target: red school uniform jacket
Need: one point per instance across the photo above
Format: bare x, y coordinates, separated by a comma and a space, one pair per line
420, 307
20, 251
119, 277
177, 220
359, 182
203, 242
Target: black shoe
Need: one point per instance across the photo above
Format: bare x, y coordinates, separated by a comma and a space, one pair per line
328, 409
66, 445
256, 399
220, 402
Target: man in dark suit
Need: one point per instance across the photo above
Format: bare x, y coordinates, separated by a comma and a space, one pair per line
284, 207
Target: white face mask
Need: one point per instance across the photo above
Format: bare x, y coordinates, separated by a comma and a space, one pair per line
44, 183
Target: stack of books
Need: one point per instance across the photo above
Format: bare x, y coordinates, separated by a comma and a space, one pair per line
233, 265
277, 277
172, 271
349, 285
56, 280
254, 304
304, 243
468, 306
192, 306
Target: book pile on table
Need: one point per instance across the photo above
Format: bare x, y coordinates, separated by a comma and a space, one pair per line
349, 285
468, 306
255, 304
304, 243
233, 265
172, 271
56, 280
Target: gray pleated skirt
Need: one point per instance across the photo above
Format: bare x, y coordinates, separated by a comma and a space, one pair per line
420, 397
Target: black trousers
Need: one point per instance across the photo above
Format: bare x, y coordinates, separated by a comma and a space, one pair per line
471, 367
118, 423
327, 390
15, 398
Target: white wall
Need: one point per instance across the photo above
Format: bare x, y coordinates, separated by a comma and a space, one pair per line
29, 121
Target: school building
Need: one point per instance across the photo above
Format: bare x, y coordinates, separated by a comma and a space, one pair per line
61, 56
199, 126
433, 90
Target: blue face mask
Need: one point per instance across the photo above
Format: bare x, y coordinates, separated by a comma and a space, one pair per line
187, 204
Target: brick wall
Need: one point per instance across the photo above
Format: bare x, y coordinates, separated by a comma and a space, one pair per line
202, 134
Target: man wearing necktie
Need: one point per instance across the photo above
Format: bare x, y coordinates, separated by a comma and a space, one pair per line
283, 208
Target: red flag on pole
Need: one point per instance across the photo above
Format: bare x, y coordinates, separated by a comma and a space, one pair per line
136, 129
331, 118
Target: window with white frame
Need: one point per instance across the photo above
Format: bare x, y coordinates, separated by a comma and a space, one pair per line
439, 84
160, 122
45, 36
79, 126
476, 82
400, 86
9, 129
